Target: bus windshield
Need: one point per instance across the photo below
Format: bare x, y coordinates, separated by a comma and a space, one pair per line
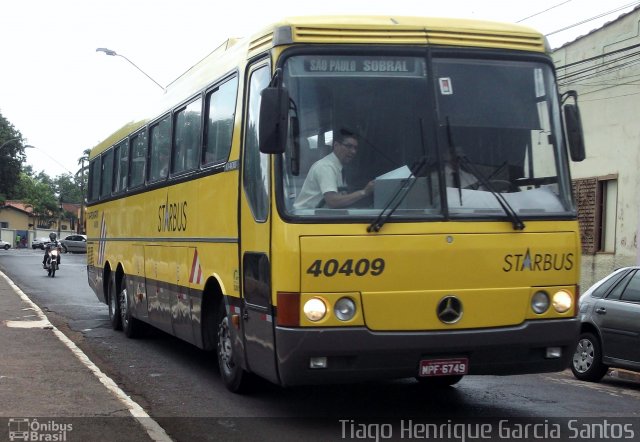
459, 138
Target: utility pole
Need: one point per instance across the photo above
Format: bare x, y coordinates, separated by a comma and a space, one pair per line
81, 226
60, 212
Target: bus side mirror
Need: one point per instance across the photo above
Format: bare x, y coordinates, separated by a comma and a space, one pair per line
274, 117
575, 136
573, 127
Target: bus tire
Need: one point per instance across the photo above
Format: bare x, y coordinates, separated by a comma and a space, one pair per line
439, 381
130, 325
587, 359
114, 307
233, 376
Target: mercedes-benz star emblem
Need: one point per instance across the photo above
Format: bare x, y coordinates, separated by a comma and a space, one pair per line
449, 310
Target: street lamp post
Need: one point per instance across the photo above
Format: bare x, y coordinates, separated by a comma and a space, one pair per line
81, 173
9, 141
29, 146
60, 217
115, 54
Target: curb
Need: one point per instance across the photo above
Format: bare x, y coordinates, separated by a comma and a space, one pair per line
626, 375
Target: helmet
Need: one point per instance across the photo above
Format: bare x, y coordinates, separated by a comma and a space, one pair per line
52, 236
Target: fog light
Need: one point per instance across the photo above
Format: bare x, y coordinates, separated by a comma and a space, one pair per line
315, 309
562, 301
345, 309
554, 353
540, 302
318, 362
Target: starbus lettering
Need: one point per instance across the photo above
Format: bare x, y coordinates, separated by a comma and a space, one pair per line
538, 262
172, 217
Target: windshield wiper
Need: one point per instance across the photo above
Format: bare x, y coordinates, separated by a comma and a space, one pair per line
460, 158
398, 197
518, 224
405, 187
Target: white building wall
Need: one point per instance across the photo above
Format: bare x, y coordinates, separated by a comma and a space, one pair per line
609, 98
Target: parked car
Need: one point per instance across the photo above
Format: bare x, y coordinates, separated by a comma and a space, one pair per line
74, 243
4, 245
40, 243
610, 320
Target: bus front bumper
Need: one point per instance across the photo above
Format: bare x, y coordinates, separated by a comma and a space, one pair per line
359, 354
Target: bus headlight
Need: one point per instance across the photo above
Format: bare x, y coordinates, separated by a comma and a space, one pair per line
562, 301
540, 302
345, 309
315, 309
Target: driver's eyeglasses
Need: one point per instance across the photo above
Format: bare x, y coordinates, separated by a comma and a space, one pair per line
349, 145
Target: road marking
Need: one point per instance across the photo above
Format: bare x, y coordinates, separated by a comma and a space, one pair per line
28, 324
599, 387
153, 429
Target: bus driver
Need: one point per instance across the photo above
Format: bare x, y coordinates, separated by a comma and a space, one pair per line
322, 185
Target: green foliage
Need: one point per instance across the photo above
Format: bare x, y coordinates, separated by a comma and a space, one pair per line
69, 188
11, 157
37, 192
40, 191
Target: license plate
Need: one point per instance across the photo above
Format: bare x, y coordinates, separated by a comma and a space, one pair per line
444, 367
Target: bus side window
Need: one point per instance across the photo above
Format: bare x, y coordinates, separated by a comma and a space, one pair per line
107, 174
121, 169
221, 106
256, 164
94, 179
138, 158
159, 149
186, 137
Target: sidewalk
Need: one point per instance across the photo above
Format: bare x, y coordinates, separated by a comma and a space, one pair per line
43, 377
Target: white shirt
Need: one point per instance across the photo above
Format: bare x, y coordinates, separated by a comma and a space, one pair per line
324, 176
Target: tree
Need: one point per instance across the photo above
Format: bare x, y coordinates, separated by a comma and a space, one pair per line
11, 158
69, 188
38, 193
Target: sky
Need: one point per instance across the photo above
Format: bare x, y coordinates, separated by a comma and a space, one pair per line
64, 97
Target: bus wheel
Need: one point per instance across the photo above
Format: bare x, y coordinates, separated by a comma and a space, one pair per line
130, 325
439, 381
233, 376
114, 306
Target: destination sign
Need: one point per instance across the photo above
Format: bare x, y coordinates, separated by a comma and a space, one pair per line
349, 65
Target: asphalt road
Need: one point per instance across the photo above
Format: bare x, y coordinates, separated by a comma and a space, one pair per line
179, 386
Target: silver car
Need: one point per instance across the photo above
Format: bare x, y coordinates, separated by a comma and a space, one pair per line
74, 244
40, 243
4, 245
610, 318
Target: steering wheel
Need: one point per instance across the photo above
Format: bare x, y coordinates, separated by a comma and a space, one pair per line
500, 186
504, 186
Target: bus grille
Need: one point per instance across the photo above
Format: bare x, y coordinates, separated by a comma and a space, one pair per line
457, 37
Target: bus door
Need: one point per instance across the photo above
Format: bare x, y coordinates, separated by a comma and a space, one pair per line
255, 232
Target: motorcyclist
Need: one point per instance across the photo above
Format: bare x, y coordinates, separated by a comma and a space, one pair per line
53, 243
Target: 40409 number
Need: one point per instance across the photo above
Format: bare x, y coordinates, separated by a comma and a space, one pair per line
333, 267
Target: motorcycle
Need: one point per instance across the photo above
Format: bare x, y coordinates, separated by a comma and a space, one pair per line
53, 260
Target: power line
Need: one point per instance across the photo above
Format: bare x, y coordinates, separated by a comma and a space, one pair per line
629, 83
607, 82
610, 65
593, 18
542, 12
586, 60
610, 98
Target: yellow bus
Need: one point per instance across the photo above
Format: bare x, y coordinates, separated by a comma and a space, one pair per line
339, 199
